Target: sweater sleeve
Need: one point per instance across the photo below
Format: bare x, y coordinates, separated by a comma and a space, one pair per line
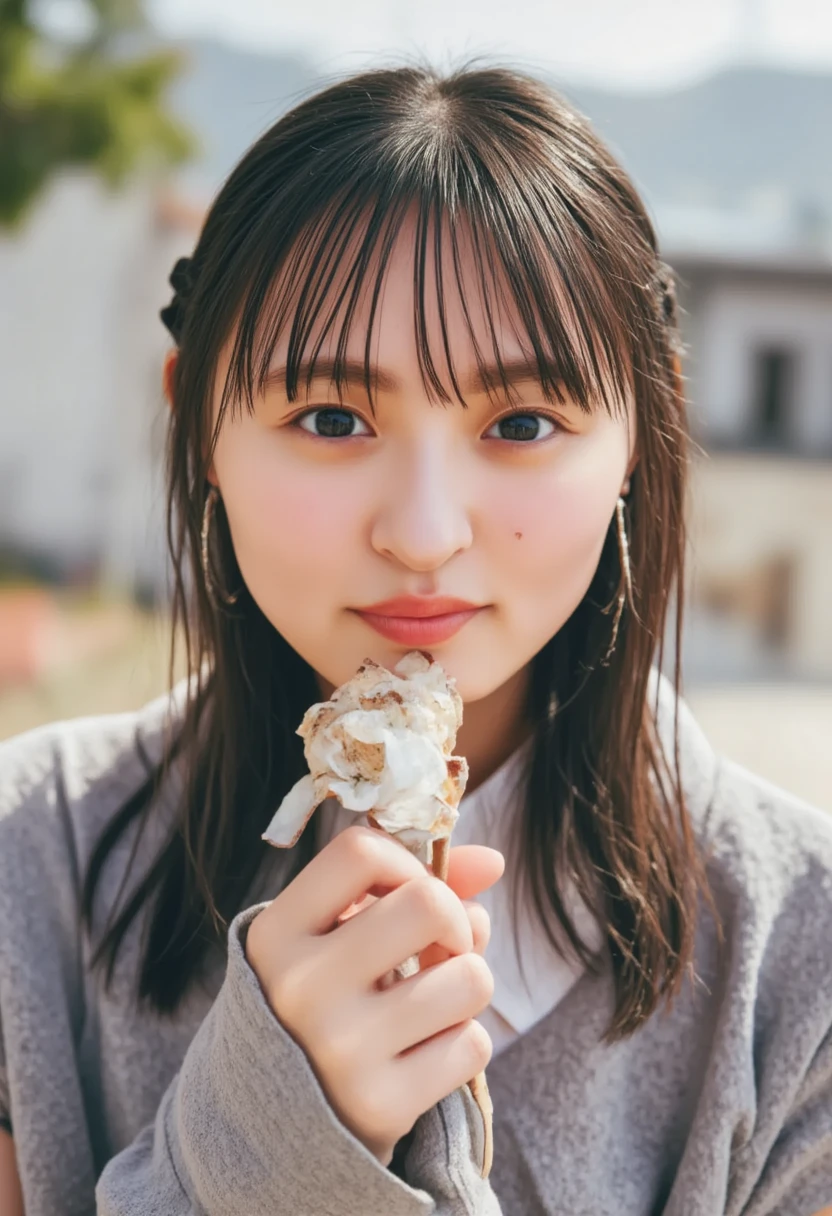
245, 1129
796, 1178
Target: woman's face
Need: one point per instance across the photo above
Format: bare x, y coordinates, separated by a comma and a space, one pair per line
503, 505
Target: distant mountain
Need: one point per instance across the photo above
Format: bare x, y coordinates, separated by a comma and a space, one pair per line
743, 138
744, 135
229, 97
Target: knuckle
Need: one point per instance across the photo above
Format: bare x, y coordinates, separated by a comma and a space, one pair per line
370, 855
477, 977
428, 896
438, 908
361, 847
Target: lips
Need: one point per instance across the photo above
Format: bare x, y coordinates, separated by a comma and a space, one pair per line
419, 621
420, 606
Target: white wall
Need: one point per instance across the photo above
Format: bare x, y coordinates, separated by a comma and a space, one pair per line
81, 347
732, 320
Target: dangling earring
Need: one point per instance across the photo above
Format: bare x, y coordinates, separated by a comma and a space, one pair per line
625, 586
215, 594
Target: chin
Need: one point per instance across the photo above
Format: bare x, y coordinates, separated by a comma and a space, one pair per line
473, 668
476, 685
473, 678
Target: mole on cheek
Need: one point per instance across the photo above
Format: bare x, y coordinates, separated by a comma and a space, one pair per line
518, 535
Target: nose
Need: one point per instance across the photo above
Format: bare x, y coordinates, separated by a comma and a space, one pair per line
423, 520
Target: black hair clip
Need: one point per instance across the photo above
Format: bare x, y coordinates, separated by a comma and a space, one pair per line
181, 279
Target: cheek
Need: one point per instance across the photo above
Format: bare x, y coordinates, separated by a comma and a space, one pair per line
282, 517
563, 512
559, 525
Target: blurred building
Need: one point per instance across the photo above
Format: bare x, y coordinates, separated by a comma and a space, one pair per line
759, 329
81, 347
757, 317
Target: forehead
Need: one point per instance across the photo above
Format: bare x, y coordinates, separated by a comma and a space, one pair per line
437, 297
444, 299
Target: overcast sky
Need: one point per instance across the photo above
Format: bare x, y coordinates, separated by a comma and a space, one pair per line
629, 43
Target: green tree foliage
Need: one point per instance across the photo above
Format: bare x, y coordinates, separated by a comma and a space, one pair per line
90, 102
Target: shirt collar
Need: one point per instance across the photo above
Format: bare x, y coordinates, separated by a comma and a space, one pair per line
529, 985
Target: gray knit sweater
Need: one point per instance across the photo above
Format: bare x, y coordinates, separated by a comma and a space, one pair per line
721, 1106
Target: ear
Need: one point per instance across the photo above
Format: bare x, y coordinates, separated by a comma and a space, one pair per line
679, 388
168, 368
631, 467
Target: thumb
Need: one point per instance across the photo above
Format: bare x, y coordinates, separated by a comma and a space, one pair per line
473, 868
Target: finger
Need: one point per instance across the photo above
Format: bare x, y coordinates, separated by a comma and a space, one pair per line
473, 868
353, 863
432, 1070
478, 917
433, 1001
408, 920
480, 923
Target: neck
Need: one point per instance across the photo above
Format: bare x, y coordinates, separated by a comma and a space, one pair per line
494, 727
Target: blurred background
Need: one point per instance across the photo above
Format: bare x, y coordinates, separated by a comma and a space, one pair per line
118, 121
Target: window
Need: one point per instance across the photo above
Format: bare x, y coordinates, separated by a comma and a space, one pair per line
773, 395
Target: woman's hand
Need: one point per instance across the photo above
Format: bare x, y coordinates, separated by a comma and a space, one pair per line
382, 1056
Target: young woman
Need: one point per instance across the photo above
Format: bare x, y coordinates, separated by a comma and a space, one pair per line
425, 393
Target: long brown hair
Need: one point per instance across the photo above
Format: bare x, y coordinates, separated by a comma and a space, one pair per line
495, 158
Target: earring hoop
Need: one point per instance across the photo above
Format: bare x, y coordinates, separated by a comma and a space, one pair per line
216, 594
625, 586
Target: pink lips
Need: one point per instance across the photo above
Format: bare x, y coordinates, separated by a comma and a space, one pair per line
418, 621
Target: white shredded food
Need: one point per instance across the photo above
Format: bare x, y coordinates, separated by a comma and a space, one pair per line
383, 744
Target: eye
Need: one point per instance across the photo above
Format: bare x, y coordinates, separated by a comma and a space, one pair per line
331, 422
524, 428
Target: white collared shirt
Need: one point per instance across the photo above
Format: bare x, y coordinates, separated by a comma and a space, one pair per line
485, 816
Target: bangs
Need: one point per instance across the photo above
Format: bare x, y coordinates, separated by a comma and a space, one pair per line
505, 244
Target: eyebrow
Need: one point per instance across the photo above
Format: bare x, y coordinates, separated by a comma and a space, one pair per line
353, 372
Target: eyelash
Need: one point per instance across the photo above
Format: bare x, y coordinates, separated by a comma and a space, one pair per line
556, 424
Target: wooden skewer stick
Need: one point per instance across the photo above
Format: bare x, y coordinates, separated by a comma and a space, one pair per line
478, 1085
